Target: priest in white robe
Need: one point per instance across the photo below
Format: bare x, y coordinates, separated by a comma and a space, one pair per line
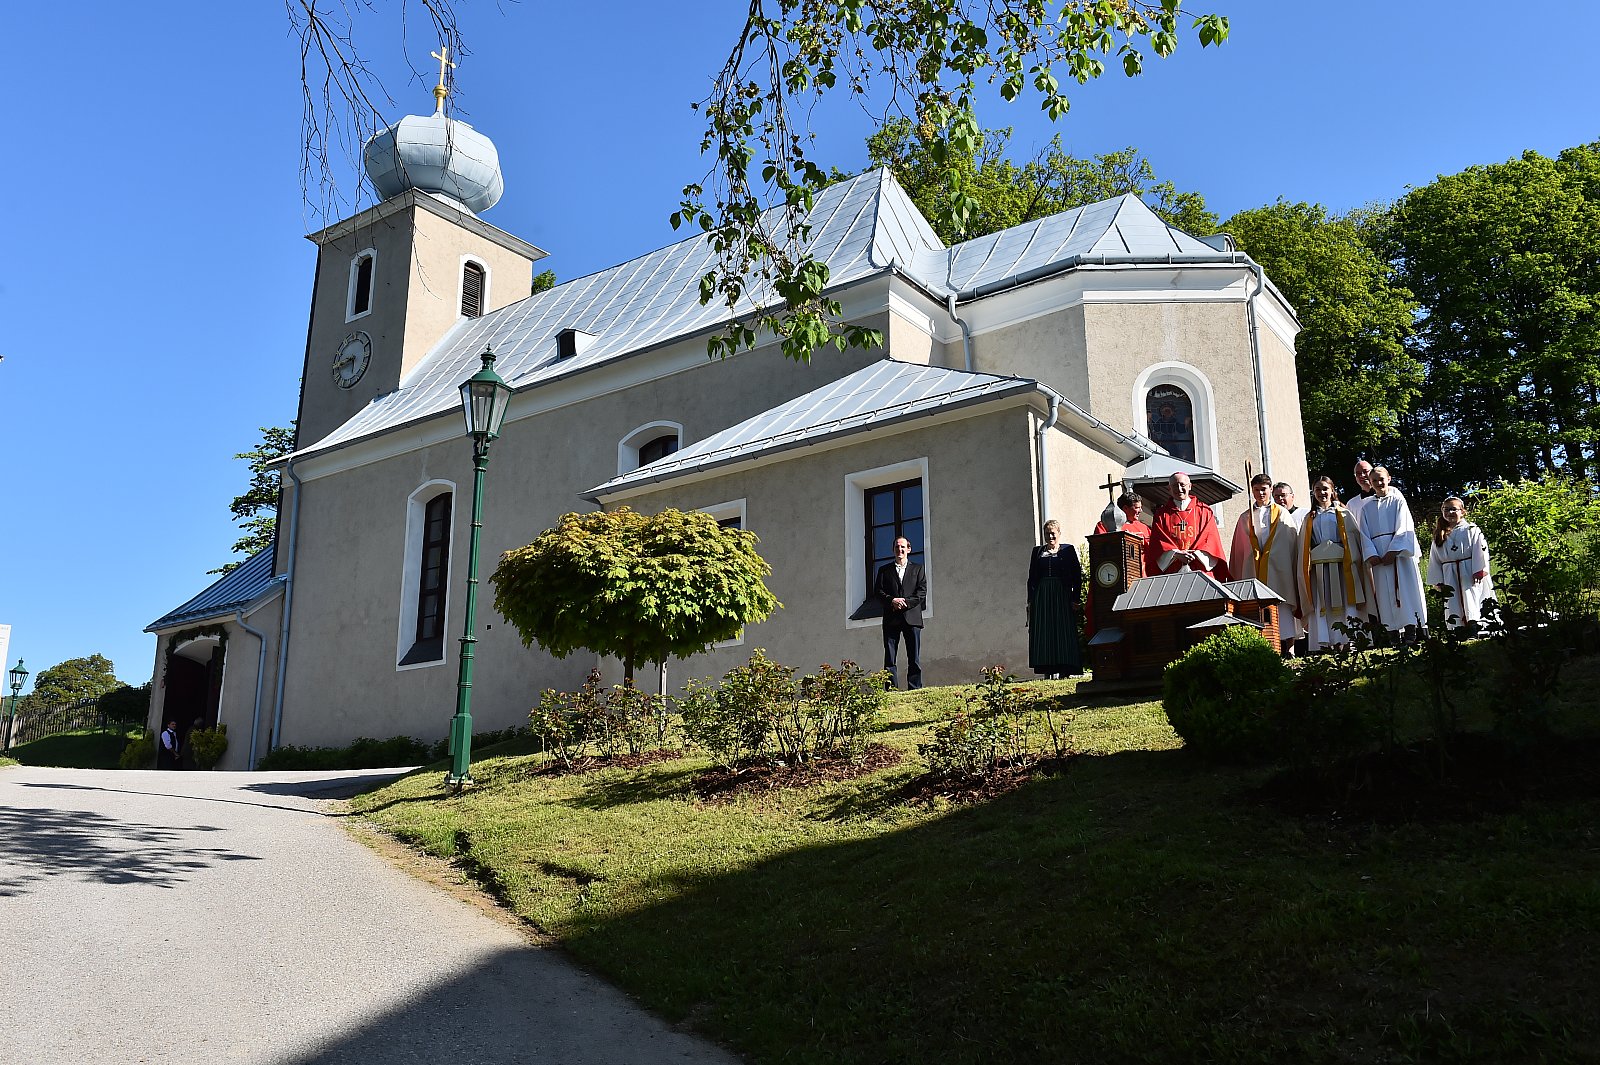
1364, 493
1266, 546
1397, 597
1458, 565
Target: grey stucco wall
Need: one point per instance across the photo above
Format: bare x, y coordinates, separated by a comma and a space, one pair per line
980, 505
343, 679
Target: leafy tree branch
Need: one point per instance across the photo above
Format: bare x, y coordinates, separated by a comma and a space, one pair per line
928, 56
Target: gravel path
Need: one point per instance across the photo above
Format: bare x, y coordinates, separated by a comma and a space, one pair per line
227, 919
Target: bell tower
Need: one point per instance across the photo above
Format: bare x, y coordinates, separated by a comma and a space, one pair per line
394, 279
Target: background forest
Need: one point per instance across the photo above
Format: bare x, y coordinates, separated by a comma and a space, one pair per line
1453, 333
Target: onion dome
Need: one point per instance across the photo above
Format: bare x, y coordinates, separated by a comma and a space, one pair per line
436, 154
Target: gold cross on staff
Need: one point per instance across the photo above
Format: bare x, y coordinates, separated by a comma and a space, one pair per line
1112, 484
442, 55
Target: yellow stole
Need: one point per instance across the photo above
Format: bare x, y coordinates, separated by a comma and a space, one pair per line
1262, 553
1305, 555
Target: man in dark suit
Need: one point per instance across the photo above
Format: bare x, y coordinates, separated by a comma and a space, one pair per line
902, 588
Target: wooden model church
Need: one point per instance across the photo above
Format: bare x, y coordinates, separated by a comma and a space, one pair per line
1015, 369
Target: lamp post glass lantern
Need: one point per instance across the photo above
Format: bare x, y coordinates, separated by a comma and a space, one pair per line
18, 677
484, 399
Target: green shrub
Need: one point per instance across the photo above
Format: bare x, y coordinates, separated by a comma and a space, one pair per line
1226, 694
838, 707
994, 731
1544, 543
126, 705
562, 729
364, 753
618, 720
140, 753
207, 746
736, 720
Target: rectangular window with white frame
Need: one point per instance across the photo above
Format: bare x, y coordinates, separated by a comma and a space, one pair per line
880, 506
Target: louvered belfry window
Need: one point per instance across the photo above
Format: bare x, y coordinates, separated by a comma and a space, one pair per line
361, 296
471, 290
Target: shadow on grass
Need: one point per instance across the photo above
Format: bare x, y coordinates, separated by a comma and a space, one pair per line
73, 750
604, 790
1128, 910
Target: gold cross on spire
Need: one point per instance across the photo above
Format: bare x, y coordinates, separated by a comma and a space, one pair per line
440, 91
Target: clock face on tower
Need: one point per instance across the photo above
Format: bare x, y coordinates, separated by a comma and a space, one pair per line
350, 361
1107, 573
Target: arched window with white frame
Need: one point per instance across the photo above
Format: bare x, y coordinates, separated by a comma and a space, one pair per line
1173, 405
358, 299
425, 575
648, 443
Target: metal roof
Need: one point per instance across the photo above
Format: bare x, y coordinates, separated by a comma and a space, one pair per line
1119, 229
1171, 589
860, 228
1223, 621
876, 395
1251, 589
1149, 477
240, 587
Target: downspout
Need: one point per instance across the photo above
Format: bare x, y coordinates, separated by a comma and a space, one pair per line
261, 669
288, 602
1255, 355
1044, 453
966, 330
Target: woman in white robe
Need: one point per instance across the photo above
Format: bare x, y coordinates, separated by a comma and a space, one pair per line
1397, 596
1334, 553
1458, 565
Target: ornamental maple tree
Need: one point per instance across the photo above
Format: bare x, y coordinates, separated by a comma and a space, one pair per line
639, 587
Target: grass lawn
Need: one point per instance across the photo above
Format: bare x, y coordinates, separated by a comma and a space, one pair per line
1139, 907
87, 749
4, 762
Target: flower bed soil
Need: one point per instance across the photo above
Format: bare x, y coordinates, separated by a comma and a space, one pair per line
718, 784
594, 763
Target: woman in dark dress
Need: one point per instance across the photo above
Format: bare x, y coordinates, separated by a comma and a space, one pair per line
1054, 583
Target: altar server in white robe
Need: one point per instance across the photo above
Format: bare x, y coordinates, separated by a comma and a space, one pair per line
1266, 546
1334, 553
1397, 595
1458, 565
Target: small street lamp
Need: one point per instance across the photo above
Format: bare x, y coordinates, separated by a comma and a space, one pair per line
18, 677
484, 399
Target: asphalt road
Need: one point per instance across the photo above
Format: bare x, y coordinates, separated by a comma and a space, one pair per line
223, 918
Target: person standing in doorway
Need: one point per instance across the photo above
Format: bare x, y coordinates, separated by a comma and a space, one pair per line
168, 749
902, 588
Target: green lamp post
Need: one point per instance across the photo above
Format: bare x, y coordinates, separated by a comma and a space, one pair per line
18, 677
484, 399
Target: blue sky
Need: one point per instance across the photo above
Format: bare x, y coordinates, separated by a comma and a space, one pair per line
156, 280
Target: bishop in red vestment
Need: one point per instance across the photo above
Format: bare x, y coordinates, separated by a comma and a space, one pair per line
1184, 535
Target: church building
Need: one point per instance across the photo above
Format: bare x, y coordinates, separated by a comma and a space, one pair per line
1018, 371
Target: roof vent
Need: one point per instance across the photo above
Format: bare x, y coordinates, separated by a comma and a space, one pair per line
572, 342
1221, 242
